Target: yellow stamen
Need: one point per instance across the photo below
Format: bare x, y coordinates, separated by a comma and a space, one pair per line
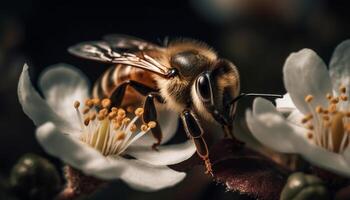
76, 104
152, 124
309, 98
126, 120
319, 109
89, 103
114, 109
343, 97
144, 127
139, 112
112, 115
96, 101
93, 116
106, 103
342, 89
133, 128
121, 113
329, 96
86, 110
335, 100
87, 121
120, 135
337, 128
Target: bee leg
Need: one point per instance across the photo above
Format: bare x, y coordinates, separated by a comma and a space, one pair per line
150, 114
119, 92
195, 132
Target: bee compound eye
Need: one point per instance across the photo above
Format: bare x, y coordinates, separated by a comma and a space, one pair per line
203, 88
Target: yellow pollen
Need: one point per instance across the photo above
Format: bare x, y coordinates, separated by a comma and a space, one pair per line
86, 110
319, 109
112, 115
114, 109
329, 96
106, 103
325, 112
121, 113
87, 121
133, 128
76, 104
103, 112
130, 109
139, 112
96, 101
310, 135
120, 135
335, 100
126, 120
89, 103
152, 124
100, 117
342, 89
309, 98
310, 127
117, 125
343, 97
144, 127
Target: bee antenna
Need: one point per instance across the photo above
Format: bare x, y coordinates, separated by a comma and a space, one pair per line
255, 95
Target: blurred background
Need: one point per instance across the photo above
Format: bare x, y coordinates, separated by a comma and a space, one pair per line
257, 35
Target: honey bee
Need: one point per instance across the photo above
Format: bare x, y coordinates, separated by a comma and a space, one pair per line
186, 76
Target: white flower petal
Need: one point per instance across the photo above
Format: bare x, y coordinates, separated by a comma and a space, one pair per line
61, 85
339, 66
275, 132
36, 107
271, 129
76, 153
306, 74
137, 174
168, 121
166, 155
145, 177
285, 102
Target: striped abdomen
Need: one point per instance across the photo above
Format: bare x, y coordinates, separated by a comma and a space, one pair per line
116, 75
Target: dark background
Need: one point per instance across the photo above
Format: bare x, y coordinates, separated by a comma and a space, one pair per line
257, 35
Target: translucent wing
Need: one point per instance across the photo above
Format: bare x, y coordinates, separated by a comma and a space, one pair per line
104, 52
119, 41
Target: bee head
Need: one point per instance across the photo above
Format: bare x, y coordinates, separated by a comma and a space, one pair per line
213, 91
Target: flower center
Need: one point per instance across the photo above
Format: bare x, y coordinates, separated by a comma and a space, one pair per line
109, 129
329, 127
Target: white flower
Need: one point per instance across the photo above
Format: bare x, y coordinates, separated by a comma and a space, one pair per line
97, 144
318, 125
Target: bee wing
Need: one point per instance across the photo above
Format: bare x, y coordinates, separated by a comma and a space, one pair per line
103, 52
129, 42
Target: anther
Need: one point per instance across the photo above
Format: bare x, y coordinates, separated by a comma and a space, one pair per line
114, 109
329, 96
319, 109
133, 128
120, 135
76, 104
106, 103
326, 117
310, 127
309, 98
103, 112
139, 112
96, 101
152, 124
89, 103
342, 89
310, 135
335, 100
121, 113
87, 121
112, 115
86, 110
130, 109
100, 117
144, 127
126, 120
343, 97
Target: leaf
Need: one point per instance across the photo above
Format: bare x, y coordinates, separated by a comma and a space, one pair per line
245, 171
